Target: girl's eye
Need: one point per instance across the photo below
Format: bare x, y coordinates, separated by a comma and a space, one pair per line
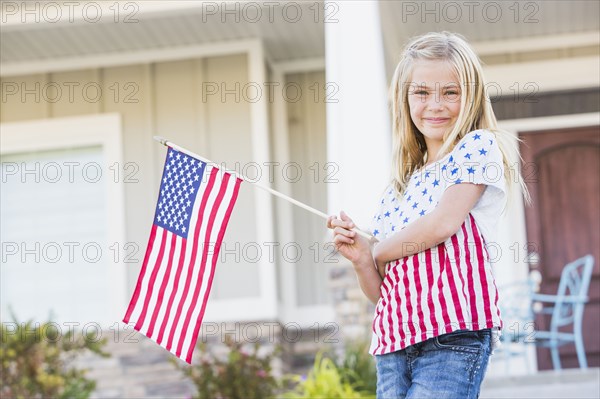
421, 93
452, 96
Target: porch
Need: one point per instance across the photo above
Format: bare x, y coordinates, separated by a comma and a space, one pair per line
569, 383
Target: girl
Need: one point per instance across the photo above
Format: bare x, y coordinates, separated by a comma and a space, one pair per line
430, 274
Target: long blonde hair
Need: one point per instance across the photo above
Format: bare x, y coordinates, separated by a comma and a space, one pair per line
409, 149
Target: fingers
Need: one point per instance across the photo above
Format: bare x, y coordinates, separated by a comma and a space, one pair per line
341, 236
346, 219
345, 222
330, 221
342, 231
339, 240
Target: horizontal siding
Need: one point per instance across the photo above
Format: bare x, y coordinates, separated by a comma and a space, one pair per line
534, 105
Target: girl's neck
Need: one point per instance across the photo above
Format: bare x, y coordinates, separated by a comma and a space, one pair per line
432, 154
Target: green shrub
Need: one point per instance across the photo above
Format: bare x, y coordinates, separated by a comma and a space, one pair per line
241, 375
326, 380
358, 367
36, 359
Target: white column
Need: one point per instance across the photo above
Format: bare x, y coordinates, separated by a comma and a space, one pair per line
358, 121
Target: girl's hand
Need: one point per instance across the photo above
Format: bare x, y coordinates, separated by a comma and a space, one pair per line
351, 245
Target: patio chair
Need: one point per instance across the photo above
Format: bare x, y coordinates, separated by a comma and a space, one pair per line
517, 312
567, 309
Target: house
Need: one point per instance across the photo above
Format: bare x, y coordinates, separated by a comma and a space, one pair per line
292, 94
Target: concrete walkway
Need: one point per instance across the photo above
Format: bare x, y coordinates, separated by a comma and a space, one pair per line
569, 383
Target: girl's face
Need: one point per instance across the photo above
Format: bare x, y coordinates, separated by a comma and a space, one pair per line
434, 100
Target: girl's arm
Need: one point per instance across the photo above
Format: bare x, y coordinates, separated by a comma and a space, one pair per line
357, 250
431, 229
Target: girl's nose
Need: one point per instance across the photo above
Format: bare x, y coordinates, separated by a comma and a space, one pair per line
435, 103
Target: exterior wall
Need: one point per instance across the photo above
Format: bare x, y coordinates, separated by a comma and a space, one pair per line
170, 99
308, 149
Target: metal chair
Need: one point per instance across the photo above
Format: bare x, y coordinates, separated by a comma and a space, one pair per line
517, 313
567, 309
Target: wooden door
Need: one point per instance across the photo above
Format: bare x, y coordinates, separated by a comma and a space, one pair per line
561, 169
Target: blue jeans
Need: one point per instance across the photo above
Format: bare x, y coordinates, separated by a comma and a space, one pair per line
447, 366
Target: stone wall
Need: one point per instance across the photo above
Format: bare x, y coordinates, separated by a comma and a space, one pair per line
139, 368
354, 312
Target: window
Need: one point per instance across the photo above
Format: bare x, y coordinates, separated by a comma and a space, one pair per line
61, 221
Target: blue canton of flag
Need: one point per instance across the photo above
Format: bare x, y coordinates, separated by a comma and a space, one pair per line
178, 189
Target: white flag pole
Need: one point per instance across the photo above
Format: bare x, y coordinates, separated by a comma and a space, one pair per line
168, 143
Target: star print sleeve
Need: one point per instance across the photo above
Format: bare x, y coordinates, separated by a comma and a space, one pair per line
477, 159
377, 222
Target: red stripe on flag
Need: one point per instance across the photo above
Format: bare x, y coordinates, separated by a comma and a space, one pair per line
190, 266
157, 265
173, 292
207, 234
138, 287
212, 271
163, 287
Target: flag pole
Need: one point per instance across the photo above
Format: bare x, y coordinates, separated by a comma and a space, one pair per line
168, 143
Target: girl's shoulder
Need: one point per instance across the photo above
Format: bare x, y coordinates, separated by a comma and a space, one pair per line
389, 193
479, 134
476, 140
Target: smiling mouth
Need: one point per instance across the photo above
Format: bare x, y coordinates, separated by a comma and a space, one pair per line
437, 120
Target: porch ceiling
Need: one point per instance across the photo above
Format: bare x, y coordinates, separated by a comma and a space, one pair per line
165, 26
484, 22
162, 25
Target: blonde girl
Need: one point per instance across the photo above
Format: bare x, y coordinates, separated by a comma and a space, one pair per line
429, 274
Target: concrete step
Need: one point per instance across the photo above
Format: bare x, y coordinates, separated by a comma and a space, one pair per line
568, 383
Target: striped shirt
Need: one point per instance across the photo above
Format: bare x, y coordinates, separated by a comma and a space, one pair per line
450, 286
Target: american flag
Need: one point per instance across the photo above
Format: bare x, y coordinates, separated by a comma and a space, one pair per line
194, 205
